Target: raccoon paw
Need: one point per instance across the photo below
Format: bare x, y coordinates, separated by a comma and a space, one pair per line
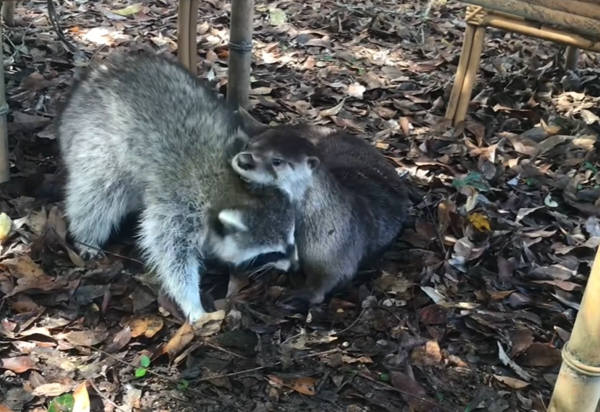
296, 300
89, 253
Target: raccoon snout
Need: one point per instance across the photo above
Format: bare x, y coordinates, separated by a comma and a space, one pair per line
246, 161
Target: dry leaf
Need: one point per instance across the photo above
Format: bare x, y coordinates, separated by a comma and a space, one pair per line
5, 225
356, 90
180, 340
23, 266
480, 222
81, 398
52, 389
511, 382
18, 364
148, 326
209, 324
332, 111
305, 386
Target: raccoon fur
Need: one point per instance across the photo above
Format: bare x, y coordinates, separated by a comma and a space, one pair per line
350, 202
141, 133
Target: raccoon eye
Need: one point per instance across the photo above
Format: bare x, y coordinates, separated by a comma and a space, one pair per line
276, 162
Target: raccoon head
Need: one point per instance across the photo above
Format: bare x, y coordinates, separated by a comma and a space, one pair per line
278, 158
239, 236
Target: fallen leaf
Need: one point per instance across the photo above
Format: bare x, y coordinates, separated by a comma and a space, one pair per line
129, 10
356, 90
5, 225
332, 111
18, 364
209, 324
305, 386
183, 336
511, 382
540, 355
23, 266
148, 326
81, 398
52, 389
480, 222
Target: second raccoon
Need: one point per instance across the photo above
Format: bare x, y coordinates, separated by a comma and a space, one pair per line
140, 132
350, 201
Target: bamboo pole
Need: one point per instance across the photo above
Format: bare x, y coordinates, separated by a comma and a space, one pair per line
577, 388
541, 32
4, 159
576, 7
470, 75
240, 52
192, 32
578, 24
183, 29
571, 58
8, 12
459, 78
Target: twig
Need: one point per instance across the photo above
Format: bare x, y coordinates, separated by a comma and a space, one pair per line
211, 345
412, 395
209, 378
353, 323
103, 396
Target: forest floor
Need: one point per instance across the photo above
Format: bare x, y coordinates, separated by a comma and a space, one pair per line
468, 311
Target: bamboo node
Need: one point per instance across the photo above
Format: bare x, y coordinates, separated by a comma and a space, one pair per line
576, 365
242, 46
476, 15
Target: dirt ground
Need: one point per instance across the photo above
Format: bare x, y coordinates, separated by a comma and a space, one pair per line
468, 311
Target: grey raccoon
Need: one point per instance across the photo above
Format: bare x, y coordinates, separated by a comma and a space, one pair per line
350, 202
140, 133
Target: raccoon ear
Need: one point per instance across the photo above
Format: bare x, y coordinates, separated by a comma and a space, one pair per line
313, 162
250, 125
232, 220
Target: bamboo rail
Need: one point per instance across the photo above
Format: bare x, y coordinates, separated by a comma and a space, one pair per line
574, 23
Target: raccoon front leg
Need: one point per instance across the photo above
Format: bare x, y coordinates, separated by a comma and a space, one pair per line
94, 208
168, 241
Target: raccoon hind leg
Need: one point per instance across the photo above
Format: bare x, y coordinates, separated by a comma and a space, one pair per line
94, 209
169, 239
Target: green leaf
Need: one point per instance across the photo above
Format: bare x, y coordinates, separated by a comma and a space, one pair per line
145, 361
277, 17
473, 179
64, 403
129, 10
183, 385
384, 377
590, 166
140, 372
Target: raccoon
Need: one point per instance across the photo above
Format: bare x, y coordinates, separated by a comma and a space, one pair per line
141, 133
350, 202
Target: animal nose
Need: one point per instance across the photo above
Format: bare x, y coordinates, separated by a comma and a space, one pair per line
246, 161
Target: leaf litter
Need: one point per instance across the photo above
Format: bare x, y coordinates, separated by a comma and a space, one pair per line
468, 311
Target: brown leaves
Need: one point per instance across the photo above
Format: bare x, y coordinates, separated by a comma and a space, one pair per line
305, 385
146, 325
17, 364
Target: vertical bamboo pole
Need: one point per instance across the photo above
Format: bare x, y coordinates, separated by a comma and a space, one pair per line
470, 75
192, 32
183, 29
8, 12
577, 388
571, 58
4, 160
240, 52
459, 78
